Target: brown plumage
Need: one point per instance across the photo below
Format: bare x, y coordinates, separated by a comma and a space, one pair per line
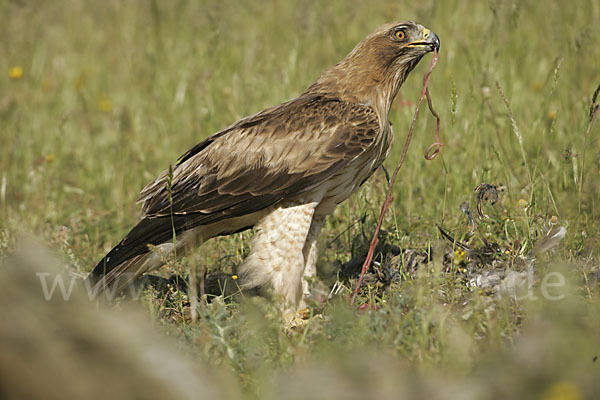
281, 170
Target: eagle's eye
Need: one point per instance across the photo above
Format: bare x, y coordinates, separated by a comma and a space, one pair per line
399, 34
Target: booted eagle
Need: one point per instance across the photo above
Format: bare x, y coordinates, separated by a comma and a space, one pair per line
280, 171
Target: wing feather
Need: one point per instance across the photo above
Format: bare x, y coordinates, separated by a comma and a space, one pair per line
278, 153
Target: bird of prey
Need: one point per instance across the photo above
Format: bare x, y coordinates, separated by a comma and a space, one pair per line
280, 171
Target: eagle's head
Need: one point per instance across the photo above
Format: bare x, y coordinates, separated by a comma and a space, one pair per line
396, 46
375, 69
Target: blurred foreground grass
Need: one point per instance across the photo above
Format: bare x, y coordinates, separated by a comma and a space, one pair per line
96, 98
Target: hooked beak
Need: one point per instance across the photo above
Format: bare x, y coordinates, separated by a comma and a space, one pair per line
429, 41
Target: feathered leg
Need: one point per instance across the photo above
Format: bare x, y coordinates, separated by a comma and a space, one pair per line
310, 253
277, 255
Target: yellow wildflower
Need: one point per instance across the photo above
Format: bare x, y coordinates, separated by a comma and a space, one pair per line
553, 219
50, 157
522, 203
15, 72
551, 114
234, 277
459, 256
562, 391
105, 105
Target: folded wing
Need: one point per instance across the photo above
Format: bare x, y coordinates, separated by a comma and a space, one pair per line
274, 155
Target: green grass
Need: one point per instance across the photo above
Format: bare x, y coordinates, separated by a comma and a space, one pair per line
113, 92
